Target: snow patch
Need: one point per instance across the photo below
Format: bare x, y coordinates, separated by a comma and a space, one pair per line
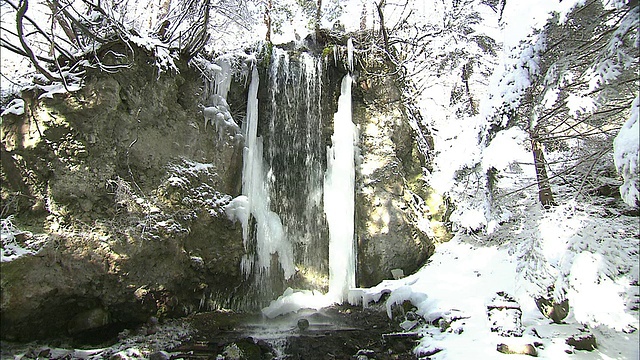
9, 247
15, 107
579, 105
506, 148
164, 56
57, 88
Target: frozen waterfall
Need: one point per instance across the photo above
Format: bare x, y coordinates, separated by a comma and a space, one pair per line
297, 202
269, 233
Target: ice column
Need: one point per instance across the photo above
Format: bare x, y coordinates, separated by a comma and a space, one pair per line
350, 54
339, 197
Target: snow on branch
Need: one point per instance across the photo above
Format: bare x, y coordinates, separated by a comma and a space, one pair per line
625, 147
620, 52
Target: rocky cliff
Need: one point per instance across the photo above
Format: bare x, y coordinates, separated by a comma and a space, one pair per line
121, 188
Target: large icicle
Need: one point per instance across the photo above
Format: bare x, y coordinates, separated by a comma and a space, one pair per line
255, 200
350, 49
339, 197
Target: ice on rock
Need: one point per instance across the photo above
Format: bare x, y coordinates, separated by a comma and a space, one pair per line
295, 300
255, 200
219, 115
402, 294
238, 209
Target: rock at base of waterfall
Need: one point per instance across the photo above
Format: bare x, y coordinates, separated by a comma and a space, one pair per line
303, 324
397, 274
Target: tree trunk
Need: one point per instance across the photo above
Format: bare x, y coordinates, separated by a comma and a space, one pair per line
363, 17
318, 17
64, 24
544, 187
467, 69
267, 20
383, 29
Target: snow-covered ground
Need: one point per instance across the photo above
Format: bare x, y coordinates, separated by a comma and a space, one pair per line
464, 276
593, 259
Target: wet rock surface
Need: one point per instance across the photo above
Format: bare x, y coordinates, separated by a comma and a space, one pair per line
337, 332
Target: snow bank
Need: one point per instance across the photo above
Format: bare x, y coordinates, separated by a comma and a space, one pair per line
462, 279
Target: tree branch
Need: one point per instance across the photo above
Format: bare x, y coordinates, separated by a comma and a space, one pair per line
41, 32
22, 9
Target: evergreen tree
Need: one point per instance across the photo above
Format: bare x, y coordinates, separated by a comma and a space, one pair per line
570, 86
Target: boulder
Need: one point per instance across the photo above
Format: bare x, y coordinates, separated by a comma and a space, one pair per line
551, 309
89, 320
526, 349
583, 341
159, 355
388, 208
505, 315
303, 324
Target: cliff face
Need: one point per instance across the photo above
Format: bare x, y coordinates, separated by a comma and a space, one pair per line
125, 188
391, 225
122, 189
